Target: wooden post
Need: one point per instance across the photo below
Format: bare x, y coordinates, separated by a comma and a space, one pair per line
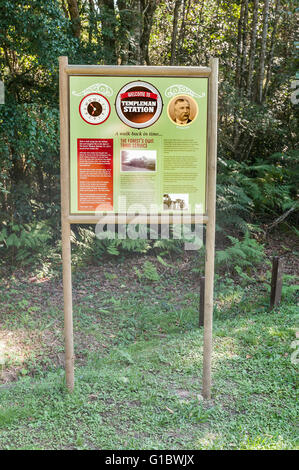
201, 302
210, 238
276, 282
65, 225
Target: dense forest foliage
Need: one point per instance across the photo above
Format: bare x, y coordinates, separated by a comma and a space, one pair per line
255, 43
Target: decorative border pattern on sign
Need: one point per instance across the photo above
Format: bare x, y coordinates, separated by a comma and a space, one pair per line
179, 89
96, 88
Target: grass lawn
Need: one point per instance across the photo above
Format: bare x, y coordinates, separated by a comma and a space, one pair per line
139, 363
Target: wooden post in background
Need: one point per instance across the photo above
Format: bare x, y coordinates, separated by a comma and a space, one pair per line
210, 238
276, 282
65, 225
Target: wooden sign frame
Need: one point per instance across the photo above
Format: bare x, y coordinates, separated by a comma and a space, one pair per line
211, 72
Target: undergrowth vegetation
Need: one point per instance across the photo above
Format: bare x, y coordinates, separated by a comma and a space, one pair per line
249, 199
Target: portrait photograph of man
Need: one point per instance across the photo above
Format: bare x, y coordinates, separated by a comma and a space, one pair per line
182, 110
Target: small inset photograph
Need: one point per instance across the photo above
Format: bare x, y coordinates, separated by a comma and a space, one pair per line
182, 110
175, 202
138, 160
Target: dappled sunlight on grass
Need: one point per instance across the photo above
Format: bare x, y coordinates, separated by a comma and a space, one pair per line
15, 348
18, 344
22, 351
282, 333
225, 347
207, 441
263, 442
226, 300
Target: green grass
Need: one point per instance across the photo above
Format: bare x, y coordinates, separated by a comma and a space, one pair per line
139, 366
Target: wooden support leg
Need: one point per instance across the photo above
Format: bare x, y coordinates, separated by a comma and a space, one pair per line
210, 238
65, 225
208, 316
68, 310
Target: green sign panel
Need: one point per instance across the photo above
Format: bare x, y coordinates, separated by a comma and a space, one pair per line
138, 144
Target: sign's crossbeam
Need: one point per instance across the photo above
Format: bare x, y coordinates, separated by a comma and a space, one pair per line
136, 70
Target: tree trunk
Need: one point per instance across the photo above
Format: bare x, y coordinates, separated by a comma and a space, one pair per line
92, 21
174, 31
236, 130
272, 47
17, 170
263, 52
108, 21
183, 29
123, 34
245, 46
239, 46
75, 17
148, 8
252, 48
135, 33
